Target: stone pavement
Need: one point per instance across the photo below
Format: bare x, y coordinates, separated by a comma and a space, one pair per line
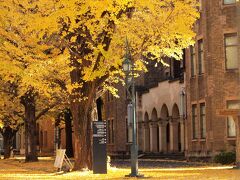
159, 163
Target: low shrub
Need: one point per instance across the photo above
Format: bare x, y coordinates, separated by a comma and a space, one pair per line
225, 158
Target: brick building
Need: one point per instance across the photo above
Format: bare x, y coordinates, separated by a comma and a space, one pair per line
180, 115
158, 102
212, 80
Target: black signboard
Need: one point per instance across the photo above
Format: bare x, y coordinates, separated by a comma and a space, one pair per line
99, 147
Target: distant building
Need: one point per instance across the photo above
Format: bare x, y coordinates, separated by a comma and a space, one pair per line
49, 137
160, 111
160, 128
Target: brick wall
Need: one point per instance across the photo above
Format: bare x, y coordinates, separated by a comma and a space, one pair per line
216, 85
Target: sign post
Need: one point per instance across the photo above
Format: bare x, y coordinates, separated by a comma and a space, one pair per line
99, 147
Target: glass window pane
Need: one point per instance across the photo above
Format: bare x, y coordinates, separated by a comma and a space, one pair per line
233, 104
201, 45
192, 48
193, 61
231, 127
193, 65
200, 57
203, 120
230, 121
231, 40
229, 1
204, 127
194, 123
231, 57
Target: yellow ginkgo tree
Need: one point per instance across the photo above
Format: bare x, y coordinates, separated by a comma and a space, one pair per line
91, 34
27, 62
11, 115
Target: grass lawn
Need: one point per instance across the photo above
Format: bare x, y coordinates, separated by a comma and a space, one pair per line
17, 169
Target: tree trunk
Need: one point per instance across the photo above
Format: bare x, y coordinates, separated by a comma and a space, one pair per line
32, 155
8, 136
28, 100
68, 132
7, 146
26, 125
81, 105
82, 136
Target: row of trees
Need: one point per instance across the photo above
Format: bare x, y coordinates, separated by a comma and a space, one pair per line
60, 53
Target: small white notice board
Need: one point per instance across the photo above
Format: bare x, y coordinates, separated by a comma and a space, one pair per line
60, 157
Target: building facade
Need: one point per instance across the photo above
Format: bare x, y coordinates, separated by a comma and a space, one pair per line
212, 80
160, 128
181, 115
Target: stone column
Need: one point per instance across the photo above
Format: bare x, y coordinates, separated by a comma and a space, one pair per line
146, 138
140, 136
153, 137
162, 137
182, 128
174, 136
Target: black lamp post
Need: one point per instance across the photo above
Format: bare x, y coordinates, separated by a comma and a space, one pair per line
128, 68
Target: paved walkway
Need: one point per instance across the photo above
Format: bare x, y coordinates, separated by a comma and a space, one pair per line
158, 163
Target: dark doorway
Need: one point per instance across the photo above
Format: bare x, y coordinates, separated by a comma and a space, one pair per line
158, 139
99, 103
168, 137
179, 137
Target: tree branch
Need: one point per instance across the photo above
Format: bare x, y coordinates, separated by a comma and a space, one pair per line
44, 111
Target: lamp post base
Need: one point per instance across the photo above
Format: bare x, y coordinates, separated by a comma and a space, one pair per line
135, 175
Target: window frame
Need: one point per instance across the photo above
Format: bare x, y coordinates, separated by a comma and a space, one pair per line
201, 68
203, 124
224, 3
225, 49
228, 102
193, 60
194, 121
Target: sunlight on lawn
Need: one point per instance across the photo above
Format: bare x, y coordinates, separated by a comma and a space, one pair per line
17, 169
112, 174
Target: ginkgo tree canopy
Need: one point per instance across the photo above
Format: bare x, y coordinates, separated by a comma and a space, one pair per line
154, 28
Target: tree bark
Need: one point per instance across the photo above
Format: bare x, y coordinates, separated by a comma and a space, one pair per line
68, 132
28, 100
82, 136
8, 137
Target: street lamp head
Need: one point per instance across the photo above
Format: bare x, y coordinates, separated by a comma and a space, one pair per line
127, 65
127, 62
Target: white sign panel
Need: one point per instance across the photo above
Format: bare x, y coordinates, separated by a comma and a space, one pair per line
59, 158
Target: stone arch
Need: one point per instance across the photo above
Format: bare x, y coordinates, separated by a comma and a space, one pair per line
175, 130
175, 111
154, 132
154, 115
164, 112
146, 117
146, 133
99, 109
165, 130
